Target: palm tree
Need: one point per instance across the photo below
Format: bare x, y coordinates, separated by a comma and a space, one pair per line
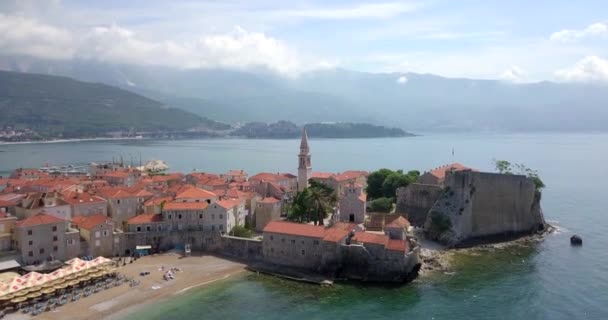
322, 201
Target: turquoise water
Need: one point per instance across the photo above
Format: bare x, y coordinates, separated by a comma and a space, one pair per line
546, 280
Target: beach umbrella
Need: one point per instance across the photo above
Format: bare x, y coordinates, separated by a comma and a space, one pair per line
48, 290
21, 293
18, 299
61, 286
34, 295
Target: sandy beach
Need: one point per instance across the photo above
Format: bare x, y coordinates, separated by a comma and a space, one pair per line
117, 302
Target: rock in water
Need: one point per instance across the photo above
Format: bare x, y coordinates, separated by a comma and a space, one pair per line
576, 240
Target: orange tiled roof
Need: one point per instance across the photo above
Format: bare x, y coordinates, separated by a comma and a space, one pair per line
38, 219
145, 218
194, 193
296, 229
335, 234
115, 193
440, 172
229, 203
397, 245
90, 222
78, 198
345, 226
267, 176
157, 201
400, 222
322, 175
368, 237
185, 206
269, 200
350, 175
116, 174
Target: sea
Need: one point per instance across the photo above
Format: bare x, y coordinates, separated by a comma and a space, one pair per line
548, 279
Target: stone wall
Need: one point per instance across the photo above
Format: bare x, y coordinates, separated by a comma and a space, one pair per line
416, 200
364, 262
478, 206
241, 248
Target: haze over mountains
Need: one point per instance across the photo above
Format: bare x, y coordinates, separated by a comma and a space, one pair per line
414, 102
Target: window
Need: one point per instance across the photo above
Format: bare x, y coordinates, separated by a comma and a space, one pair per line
97, 243
41, 250
316, 242
212, 228
54, 238
29, 232
271, 249
31, 243
221, 227
283, 240
293, 241
169, 217
31, 253
303, 252
213, 216
55, 249
148, 228
118, 201
97, 234
70, 242
200, 216
271, 238
105, 233
116, 240
221, 216
54, 228
179, 216
138, 229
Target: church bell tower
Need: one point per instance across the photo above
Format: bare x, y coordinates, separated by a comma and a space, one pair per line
304, 166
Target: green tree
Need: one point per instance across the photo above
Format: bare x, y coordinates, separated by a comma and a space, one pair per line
502, 166
398, 179
312, 204
375, 182
299, 210
241, 231
381, 205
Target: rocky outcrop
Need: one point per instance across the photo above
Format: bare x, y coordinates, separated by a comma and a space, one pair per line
477, 207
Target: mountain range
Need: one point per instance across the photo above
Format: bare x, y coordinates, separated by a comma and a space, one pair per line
55, 106
415, 102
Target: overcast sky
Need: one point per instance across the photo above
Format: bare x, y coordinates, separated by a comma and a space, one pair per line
518, 41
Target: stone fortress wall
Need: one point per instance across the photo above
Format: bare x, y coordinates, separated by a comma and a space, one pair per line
477, 205
416, 200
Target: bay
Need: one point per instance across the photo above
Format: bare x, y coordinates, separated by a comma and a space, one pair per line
546, 280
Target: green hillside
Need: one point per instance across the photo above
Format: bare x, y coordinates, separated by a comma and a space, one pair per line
63, 107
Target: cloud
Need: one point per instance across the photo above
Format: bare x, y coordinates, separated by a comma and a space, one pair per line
26, 36
402, 80
514, 74
588, 69
238, 48
359, 11
592, 31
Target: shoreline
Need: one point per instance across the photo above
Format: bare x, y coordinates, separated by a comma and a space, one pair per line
120, 302
438, 258
69, 140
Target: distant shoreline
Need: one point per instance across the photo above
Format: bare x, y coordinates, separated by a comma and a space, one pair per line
190, 138
69, 140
